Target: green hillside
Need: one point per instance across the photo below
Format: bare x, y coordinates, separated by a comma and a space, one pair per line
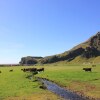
88, 51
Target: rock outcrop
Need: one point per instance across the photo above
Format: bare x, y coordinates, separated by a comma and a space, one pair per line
88, 49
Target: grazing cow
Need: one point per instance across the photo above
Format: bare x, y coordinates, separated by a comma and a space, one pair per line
41, 69
11, 70
22, 69
33, 69
29, 69
0, 72
87, 69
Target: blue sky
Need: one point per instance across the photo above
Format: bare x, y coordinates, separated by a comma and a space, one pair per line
45, 27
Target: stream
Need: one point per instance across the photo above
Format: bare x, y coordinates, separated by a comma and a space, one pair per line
66, 94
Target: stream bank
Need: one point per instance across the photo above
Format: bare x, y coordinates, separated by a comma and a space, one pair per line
63, 93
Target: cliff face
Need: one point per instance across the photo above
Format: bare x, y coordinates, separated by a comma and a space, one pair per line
95, 41
29, 60
88, 49
93, 46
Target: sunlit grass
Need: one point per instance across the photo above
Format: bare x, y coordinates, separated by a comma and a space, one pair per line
76, 79
15, 85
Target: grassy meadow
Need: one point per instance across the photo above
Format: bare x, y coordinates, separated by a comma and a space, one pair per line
15, 86
72, 77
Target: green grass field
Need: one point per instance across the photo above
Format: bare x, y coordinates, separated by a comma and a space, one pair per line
15, 86
75, 79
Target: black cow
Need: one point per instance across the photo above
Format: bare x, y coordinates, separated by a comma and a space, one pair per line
33, 69
41, 69
87, 69
29, 69
11, 70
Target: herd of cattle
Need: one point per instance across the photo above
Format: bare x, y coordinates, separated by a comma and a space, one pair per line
32, 69
29, 70
42, 69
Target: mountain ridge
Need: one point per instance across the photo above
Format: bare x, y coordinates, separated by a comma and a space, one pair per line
88, 49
